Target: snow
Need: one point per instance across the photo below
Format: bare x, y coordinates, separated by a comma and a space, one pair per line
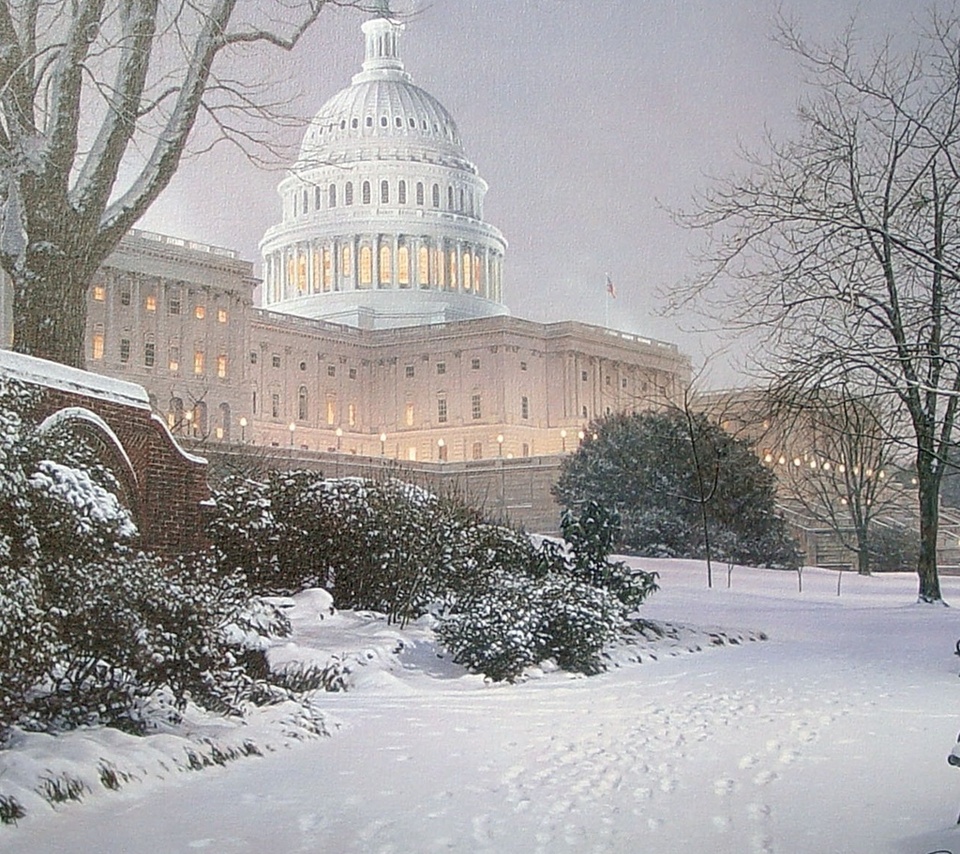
830, 736
32, 370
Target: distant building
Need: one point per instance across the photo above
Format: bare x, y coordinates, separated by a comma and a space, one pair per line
383, 328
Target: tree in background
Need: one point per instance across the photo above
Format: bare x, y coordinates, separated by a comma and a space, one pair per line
839, 465
840, 249
667, 472
102, 90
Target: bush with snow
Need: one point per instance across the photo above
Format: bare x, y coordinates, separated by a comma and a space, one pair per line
91, 629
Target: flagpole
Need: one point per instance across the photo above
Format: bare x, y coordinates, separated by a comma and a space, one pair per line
606, 308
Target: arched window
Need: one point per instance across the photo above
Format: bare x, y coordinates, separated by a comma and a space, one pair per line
420, 193
383, 121
301, 273
306, 202
366, 265
436, 195
317, 197
403, 266
223, 428
346, 260
175, 414
327, 269
317, 271
386, 273
369, 121
449, 197
365, 193
402, 193
332, 196
461, 200
439, 264
302, 403
384, 192
423, 267
296, 211
354, 123
453, 270
348, 193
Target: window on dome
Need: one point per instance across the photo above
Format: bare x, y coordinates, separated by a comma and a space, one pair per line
403, 266
355, 123
439, 264
365, 193
332, 196
402, 193
423, 267
318, 196
449, 198
348, 193
413, 123
366, 266
369, 121
306, 202
343, 124
461, 200
346, 261
398, 122
386, 273
420, 193
423, 124
436, 195
383, 121
384, 192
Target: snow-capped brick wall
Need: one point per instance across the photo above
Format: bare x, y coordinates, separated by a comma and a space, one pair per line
161, 484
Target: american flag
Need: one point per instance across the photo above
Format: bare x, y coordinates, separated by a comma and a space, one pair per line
611, 287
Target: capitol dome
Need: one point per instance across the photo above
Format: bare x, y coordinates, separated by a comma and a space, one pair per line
383, 212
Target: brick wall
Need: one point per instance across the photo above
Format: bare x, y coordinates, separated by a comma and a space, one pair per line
162, 485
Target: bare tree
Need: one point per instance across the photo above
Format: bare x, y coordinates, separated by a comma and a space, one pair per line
837, 462
94, 90
840, 248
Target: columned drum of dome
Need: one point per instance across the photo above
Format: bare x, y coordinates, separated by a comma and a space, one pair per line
383, 213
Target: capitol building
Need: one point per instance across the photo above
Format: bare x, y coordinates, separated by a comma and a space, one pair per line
380, 327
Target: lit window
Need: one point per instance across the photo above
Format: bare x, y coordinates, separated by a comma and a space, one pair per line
198, 361
524, 407
149, 354
222, 366
386, 273
408, 415
475, 364
441, 367
174, 360
331, 410
409, 371
99, 293
366, 265
442, 410
467, 271
403, 265
97, 345
124, 349
453, 270
327, 269
423, 265
200, 312
346, 261
151, 303
221, 315
352, 414
475, 409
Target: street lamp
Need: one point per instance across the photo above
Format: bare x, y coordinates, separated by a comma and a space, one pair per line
563, 441
292, 429
339, 434
188, 417
500, 444
440, 447
383, 443
243, 429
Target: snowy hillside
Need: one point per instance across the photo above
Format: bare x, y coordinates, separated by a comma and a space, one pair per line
830, 736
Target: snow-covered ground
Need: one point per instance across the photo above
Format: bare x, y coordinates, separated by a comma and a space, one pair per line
830, 736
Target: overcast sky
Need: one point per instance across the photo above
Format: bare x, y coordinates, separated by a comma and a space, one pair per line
586, 117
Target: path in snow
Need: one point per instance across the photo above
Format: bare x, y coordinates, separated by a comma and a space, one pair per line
830, 737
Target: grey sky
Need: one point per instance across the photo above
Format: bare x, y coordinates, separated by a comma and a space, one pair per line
584, 116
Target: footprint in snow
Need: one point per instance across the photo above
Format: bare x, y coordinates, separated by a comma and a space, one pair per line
748, 761
759, 812
788, 757
722, 823
764, 777
724, 786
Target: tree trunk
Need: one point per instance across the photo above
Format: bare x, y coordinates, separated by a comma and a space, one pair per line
929, 495
50, 283
863, 553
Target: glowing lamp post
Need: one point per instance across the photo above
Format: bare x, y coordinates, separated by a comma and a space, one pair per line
383, 444
243, 429
292, 428
339, 435
563, 441
500, 445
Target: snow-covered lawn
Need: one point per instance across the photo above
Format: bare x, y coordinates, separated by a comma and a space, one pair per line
830, 736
